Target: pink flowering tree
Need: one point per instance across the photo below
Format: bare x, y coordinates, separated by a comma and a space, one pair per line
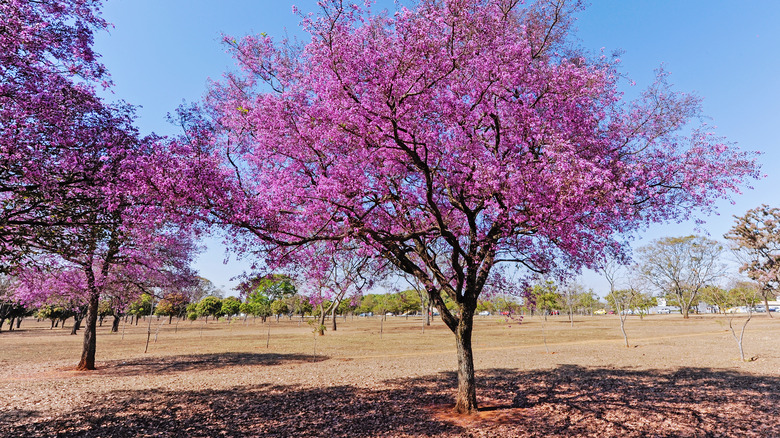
447, 139
83, 266
72, 178
48, 109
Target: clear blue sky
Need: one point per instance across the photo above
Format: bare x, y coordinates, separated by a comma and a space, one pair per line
162, 52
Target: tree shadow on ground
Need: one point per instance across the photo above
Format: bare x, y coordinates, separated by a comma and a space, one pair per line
199, 362
565, 401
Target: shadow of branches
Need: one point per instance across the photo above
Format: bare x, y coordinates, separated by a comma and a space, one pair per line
568, 400
200, 362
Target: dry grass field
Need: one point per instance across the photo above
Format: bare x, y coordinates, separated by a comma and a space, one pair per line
678, 378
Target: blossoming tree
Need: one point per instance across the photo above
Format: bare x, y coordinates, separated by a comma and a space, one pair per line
448, 139
72, 192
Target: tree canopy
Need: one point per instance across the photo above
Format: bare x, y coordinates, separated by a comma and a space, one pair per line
446, 138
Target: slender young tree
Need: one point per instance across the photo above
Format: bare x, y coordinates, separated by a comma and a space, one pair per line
570, 294
745, 294
333, 273
447, 139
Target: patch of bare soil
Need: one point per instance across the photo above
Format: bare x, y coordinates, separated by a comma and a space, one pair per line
356, 384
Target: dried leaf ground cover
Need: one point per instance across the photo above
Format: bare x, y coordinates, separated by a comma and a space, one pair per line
679, 378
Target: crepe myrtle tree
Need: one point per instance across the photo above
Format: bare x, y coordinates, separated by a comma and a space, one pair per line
447, 138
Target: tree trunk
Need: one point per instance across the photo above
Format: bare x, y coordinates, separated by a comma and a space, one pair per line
115, 324
11, 324
466, 398
571, 316
623, 328
90, 331
684, 305
766, 306
333, 318
77, 325
2, 321
321, 322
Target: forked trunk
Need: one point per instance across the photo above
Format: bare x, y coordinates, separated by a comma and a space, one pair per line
90, 331
466, 398
321, 323
685, 305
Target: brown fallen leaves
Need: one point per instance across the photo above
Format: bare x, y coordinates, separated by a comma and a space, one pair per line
564, 401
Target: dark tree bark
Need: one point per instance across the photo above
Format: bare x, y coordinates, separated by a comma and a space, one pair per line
462, 326
115, 324
76, 325
466, 398
87, 361
333, 318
